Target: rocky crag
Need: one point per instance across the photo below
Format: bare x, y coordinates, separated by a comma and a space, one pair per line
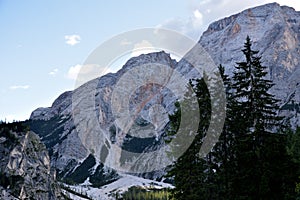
25, 171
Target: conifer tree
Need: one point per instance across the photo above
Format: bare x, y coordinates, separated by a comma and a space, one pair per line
223, 151
250, 161
189, 171
255, 174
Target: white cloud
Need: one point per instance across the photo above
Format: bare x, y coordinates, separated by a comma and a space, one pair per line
15, 87
143, 47
185, 26
197, 19
125, 42
87, 72
197, 14
72, 39
53, 72
74, 71
204, 12
192, 26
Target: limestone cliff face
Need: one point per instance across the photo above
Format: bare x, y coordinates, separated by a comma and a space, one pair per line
275, 32
81, 122
25, 167
65, 127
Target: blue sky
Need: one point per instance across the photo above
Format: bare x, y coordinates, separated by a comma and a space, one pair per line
44, 43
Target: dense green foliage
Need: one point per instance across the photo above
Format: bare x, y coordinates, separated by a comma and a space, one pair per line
255, 157
293, 149
189, 170
17, 127
138, 193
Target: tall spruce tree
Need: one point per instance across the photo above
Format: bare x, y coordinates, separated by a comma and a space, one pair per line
223, 151
190, 170
252, 93
256, 141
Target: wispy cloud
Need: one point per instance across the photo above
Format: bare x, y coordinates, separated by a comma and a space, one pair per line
72, 39
125, 42
16, 87
73, 72
204, 12
53, 72
86, 72
191, 26
143, 47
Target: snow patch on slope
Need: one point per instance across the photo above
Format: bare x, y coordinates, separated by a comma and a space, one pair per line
120, 186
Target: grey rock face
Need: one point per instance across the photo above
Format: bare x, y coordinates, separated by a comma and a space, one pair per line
61, 106
82, 122
275, 32
25, 168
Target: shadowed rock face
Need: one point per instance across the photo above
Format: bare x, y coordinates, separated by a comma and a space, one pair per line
25, 167
275, 32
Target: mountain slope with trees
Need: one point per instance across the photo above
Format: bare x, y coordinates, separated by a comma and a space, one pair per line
254, 158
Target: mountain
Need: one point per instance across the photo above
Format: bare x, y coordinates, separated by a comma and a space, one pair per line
275, 32
80, 130
63, 133
25, 171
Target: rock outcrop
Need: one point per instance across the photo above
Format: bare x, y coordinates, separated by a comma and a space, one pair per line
25, 166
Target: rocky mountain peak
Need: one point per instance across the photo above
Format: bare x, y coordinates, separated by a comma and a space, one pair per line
275, 32
252, 16
160, 57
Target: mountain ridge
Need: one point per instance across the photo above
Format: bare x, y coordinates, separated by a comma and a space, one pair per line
275, 31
